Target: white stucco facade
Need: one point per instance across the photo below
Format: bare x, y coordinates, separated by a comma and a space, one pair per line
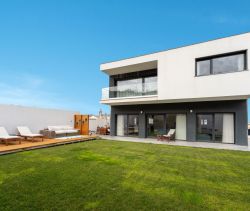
176, 73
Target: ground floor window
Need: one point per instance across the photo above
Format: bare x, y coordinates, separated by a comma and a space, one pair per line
216, 127
127, 125
158, 124
155, 124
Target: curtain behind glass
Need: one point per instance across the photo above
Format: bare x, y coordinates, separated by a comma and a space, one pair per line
228, 128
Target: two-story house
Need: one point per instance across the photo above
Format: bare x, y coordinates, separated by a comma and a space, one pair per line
200, 90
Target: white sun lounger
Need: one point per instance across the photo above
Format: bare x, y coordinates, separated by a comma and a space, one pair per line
4, 136
26, 133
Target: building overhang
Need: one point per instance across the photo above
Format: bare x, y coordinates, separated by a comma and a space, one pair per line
155, 100
115, 68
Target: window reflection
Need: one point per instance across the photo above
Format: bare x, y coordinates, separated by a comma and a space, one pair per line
221, 64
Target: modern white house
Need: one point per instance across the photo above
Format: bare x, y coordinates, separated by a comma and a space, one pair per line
200, 90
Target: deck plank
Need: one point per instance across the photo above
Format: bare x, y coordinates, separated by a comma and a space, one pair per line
28, 145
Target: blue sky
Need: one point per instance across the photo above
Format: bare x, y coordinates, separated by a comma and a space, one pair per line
50, 51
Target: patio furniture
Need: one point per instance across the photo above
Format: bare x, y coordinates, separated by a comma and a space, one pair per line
103, 130
60, 131
4, 136
26, 133
167, 137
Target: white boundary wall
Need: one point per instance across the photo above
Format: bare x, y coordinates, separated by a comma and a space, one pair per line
94, 123
36, 119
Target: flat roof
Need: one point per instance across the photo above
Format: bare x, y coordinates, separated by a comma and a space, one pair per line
176, 47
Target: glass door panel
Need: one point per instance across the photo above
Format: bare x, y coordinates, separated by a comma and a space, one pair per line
218, 127
133, 125
155, 125
181, 127
170, 122
204, 130
128, 88
228, 129
121, 125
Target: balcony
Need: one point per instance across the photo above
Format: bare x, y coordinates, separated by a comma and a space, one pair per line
130, 90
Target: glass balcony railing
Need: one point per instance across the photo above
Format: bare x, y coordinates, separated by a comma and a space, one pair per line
130, 90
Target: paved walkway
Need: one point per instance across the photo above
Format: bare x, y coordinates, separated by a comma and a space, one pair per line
181, 143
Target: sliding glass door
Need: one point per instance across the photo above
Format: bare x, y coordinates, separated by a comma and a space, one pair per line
127, 125
215, 127
121, 125
160, 124
228, 129
181, 127
155, 125
218, 127
133, 126
204, 129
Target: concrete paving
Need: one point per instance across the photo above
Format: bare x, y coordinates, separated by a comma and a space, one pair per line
181, 143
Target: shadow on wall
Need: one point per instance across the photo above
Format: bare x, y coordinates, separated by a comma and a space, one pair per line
34, 118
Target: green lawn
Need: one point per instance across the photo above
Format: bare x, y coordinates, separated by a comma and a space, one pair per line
107, 175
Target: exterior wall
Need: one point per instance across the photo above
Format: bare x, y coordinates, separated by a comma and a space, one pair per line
94, 123
176, 73
36, 119
239, 108
176, 69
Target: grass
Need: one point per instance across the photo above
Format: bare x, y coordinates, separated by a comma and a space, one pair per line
107, 175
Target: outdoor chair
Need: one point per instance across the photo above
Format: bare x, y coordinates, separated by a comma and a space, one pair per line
4, 136
26, 133
167, 137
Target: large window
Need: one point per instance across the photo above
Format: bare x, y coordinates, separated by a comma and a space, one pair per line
216, 127
132, 87
127, 125
160, 124
232, 62
156, 125
134, 84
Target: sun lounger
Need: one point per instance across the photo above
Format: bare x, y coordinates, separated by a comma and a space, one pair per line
26, 133
4, 136
168, 137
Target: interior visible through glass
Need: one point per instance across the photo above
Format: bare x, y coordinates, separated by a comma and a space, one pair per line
160, 124
204, 130
155, 125
133, 125
127, 125
216, 127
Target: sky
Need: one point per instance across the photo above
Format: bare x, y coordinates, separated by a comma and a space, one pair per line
51, 50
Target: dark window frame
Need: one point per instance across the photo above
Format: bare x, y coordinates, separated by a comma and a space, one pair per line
165, 115
126, 131
134, 75
210, 58
213, 132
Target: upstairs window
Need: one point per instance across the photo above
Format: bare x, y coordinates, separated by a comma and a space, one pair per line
232, 62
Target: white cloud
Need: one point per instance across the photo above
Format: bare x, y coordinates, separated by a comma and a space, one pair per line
26, 89
29, 90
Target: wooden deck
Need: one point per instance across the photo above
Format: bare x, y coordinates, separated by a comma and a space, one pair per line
29, 145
